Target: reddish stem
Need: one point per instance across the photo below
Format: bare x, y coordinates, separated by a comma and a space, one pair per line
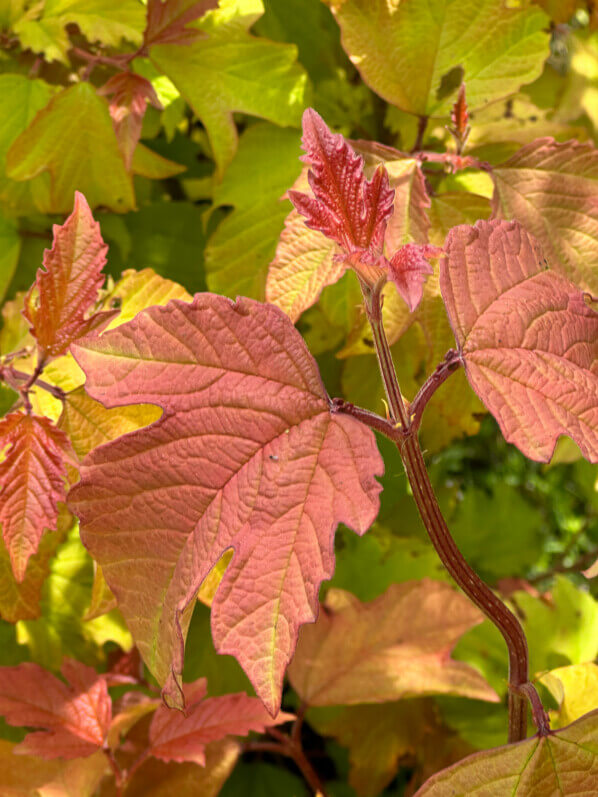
290, 747
451, 362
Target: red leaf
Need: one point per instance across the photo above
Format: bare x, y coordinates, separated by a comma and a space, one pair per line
246, 456
62, 295
167, 21
32, 479
529, 340
76, 718
409, 268
345, 207
130, 95
176, 737
460, 119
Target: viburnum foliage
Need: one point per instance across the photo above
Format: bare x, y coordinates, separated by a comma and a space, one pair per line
298, 398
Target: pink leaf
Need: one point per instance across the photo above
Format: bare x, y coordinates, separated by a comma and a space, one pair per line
409, 268
130, 95
345, 207
62, 295
528, 338
176, 737
32, 480
167, 20
246, 456
75, 718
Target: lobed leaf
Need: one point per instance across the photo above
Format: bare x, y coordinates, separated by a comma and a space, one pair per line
167, 20
75, 717
33, 476
564, 762
529, 340
246, 456
394, 647
67, 287
409, 268
551, 189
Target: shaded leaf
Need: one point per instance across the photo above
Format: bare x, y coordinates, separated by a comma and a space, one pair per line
74, 124
406, 52
550, 188
565, 762
33, 475
75, 717
58, 304
396, 646
220, 367
176, 737
167, 20
529, 340
10, 248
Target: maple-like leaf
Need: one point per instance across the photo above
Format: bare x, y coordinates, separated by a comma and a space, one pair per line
178, 737
528, 338
130, 94
32, 479
65, 290
564, 762
409, 268
246, 456
396, 646
75, 716
167, 20
345, 207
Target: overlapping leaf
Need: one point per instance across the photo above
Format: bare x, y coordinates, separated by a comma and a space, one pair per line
75, 717
33, 479
178, 737
565, 762
167, 20
551, 189
529, 339
396, 646
406, 52
246, 456
58, 304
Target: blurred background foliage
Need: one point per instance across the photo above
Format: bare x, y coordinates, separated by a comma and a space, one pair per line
200, 203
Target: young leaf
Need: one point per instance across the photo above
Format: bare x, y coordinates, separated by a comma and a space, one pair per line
178, 737
33, 476
75, 717
394, 647
246, 456
409, 268
130, 95
551, 189
59, 301
564, 762
167, 20
529, 340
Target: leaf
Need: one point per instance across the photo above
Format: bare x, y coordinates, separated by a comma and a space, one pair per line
221, 366
409, 268
550, 188
58, 304
75, 718
147, 163
244, 242
99, 20
10, 249
394, 647
345, 207
232, 70
178, 737
575, 688
167, 20
47, 37
416, 55
24, 776
565, 762
130, 94
33, 474
157, 779
262, 780
529, 341
75, 123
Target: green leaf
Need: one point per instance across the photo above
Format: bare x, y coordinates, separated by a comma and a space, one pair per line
262, 780
416, 54
47, 37
10, 249
73, 139
232, 70
243, 244
61, 631
21, 99
100, 20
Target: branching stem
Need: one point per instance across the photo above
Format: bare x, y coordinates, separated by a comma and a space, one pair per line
520, 689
